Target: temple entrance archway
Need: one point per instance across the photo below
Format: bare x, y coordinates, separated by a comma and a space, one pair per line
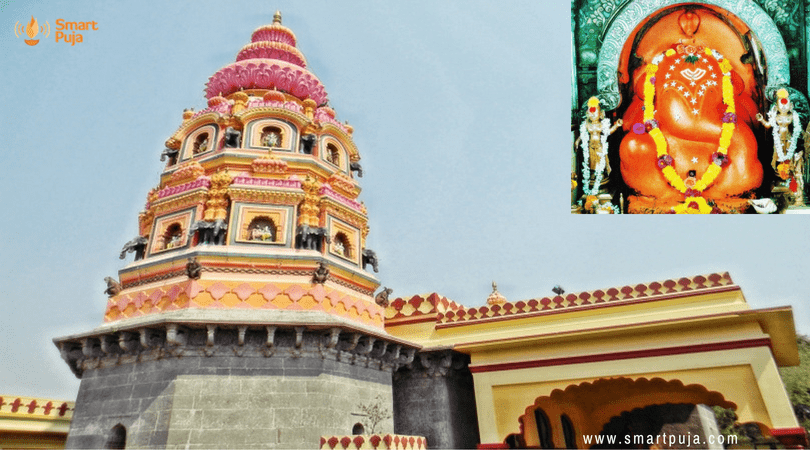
565, 418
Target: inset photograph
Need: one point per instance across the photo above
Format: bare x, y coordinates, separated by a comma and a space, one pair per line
689, 108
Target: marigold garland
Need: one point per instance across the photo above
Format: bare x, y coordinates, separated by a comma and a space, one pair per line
719, 158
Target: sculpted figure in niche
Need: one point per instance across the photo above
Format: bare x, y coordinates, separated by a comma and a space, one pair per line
271, 137
262, 229
201, 143
689, 142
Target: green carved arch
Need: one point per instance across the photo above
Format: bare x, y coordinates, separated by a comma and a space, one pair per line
760, 23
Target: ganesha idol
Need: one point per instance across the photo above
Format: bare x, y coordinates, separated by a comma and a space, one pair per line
689, 142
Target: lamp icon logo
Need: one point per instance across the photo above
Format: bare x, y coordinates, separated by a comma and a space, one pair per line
31, 30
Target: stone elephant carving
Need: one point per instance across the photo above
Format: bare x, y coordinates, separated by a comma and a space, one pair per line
169, 153
210, 232
369, 257
311, 238
137, 245
356, 167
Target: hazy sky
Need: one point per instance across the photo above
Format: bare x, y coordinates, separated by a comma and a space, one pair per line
460, 111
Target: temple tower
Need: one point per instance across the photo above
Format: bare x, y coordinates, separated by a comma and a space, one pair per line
247, 318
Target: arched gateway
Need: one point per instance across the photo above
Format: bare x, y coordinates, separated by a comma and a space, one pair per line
555, 371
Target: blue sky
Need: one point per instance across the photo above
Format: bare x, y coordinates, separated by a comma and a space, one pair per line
460, 111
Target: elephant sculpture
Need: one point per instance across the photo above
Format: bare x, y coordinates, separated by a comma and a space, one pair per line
356, 167
311, 238
169, 153
232, 138
137, 245
308, 143
369, 257
210, 232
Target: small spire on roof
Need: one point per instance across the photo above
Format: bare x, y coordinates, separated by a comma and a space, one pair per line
495, 298
277, 17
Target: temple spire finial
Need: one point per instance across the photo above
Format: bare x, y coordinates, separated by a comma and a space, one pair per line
277, 17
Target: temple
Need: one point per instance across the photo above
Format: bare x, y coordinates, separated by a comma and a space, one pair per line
250, 315
689, 107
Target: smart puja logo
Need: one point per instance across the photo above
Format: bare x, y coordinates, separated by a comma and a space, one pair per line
31, 30
66, 31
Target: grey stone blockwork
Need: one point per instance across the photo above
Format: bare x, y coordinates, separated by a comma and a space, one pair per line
219, 387
434, 397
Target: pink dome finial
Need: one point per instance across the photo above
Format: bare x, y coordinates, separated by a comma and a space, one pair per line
270, 61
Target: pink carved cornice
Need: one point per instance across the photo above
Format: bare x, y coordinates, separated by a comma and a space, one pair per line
275, 33
173, 190
327, 191
273, 74
272, 50
290, 106
245, 180
327, 115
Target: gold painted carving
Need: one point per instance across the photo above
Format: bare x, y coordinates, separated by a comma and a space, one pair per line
187, 172
344, 185
173, 143
240, 102
271, 164
263, 196
216, 208
309, 212
184, 201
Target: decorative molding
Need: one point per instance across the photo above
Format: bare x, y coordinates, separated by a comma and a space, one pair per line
373, 442
616, 356
178, 340
435, 364
221, 295
419, 308
594, 299
15, 407
278, 74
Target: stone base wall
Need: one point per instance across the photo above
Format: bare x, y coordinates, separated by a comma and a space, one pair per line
434, 397
229, 396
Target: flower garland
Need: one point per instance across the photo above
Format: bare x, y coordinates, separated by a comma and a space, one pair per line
777, 142
692, 195
585, 138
